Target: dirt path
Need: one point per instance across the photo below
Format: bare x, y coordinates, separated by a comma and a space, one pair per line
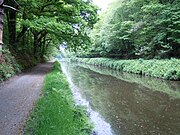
17, 97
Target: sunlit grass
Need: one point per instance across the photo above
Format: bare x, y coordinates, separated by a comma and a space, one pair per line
55, 113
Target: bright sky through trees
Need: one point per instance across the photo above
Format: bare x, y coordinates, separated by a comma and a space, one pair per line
102, 3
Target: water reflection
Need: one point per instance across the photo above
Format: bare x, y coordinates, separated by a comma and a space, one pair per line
131, 104
101, 127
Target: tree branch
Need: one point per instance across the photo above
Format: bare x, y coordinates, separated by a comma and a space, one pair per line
12, 8
16, 3
42, 35
23, 31
49, 4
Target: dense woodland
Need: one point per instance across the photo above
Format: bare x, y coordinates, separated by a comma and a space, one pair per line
131, 29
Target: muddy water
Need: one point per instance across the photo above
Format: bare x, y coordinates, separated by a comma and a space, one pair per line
126, 104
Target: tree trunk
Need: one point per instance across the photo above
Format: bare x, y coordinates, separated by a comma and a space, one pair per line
21, 34
35, 43
43, 47
12, 26
11, 20
1, 29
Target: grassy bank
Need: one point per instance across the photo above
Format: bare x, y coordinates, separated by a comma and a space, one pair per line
159, 85
166, 69
55, 113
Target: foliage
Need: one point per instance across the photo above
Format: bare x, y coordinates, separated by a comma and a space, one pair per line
138, 28
55, 113
9, 66
41, 25
34, 32
166, 69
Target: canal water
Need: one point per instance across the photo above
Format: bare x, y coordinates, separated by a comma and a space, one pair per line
125, 104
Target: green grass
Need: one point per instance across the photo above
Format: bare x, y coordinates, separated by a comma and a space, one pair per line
55, 113
166, 69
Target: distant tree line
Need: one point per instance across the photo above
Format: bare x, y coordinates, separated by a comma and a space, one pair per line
138, 29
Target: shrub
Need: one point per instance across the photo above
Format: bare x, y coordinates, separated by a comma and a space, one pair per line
9, 66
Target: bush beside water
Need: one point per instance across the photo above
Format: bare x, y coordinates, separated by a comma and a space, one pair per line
166, 69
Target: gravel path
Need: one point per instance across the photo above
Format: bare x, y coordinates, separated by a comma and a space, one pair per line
17, 97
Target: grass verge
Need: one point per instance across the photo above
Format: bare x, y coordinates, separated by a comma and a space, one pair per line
166, 69
56, 113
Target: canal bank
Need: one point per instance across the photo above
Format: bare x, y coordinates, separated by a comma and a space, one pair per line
55, 113
168, 69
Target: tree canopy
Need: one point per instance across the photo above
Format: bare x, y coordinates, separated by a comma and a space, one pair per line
127, 29
39, 25
138, 29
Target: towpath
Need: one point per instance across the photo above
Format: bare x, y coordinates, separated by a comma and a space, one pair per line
17, 97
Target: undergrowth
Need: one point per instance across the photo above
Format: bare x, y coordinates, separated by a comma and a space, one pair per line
55, 113
166, 69
15, 63
9, 66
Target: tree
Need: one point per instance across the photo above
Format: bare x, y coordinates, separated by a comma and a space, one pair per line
138, 28
1, 28
41, 23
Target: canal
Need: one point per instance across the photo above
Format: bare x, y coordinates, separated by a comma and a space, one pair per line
125, 104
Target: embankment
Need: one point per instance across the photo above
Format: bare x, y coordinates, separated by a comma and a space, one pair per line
171, 88
165, 69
